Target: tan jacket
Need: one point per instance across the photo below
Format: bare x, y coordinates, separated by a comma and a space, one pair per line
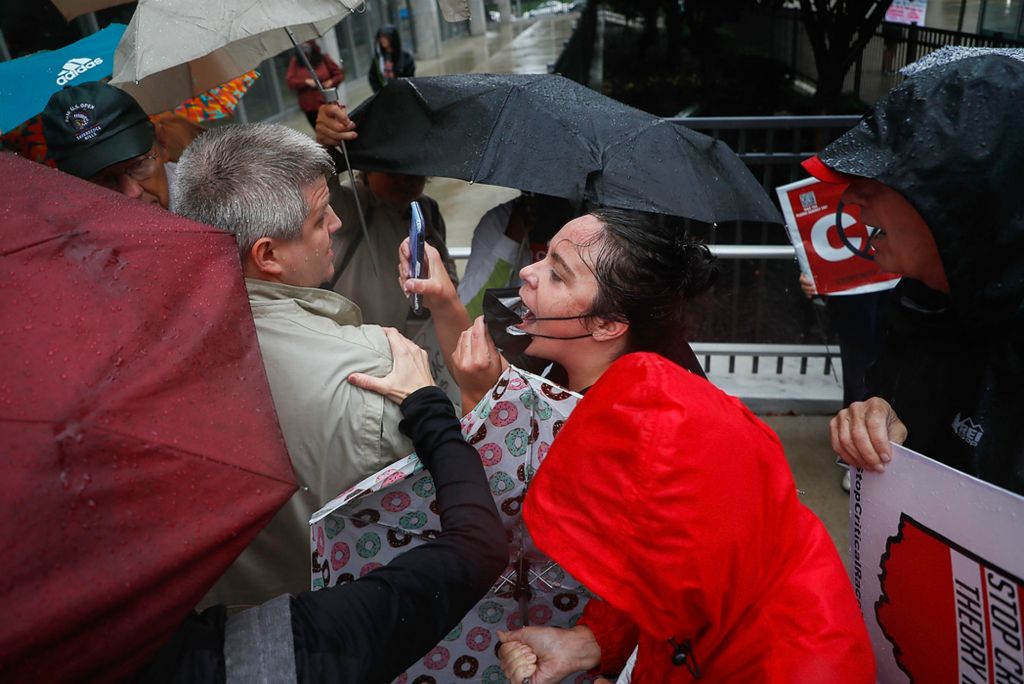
337, 434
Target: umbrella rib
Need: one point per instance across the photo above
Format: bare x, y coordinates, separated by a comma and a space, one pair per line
162, 444
494, 125
42, 241
203, 230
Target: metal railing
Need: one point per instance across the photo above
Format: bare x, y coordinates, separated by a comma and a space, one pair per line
757, 298
773, 147
720, 251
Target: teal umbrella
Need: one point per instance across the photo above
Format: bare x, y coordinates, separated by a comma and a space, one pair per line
26, 83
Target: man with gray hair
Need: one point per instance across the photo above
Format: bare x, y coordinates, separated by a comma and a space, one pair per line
267, 184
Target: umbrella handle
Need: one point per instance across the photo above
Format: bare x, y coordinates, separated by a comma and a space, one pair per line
331, 95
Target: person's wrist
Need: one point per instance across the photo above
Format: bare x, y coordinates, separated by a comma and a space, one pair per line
417, 395
442, 302
586, 652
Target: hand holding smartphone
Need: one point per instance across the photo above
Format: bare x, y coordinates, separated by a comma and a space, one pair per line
417, 254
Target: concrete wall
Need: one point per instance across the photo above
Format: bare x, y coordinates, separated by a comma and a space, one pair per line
426, 18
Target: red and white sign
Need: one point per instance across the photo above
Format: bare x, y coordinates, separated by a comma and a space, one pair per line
936, 563
810, 210
907, 12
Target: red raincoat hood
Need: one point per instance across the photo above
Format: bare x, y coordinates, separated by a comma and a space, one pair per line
675, 504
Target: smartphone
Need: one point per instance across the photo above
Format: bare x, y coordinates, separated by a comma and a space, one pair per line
418, 253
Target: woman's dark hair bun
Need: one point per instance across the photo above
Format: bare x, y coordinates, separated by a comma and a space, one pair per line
647, 272
698, 266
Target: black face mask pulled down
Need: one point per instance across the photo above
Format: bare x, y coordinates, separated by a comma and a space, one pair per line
503, 312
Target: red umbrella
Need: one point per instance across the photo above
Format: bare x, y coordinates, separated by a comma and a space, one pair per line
140, 447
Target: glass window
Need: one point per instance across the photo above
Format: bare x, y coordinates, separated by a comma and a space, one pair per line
343, 34
287, 100
260, 102
1001, 17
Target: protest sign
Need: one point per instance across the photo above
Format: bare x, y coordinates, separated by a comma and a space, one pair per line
809, 207
907, 12
936, 563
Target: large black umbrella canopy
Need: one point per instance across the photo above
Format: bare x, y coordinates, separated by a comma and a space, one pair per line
668, 168
547, 134
540, 133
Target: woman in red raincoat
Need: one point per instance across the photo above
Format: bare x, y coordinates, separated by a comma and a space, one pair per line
675, 505
664, 496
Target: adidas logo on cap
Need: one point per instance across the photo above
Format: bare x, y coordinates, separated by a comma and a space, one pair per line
76, 67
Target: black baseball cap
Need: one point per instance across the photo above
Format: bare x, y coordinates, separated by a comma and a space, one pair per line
91, 126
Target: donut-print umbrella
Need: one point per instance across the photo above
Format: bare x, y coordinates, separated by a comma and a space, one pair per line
384, 515
141, 450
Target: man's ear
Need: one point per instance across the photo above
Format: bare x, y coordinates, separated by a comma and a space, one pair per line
264, 258
163, 143
173, 134
607, 330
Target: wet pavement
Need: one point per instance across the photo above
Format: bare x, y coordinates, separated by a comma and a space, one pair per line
529, 47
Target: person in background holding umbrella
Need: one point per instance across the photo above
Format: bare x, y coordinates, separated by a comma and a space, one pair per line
390, 61
267, 185
372, 629
300, 80
98, 132
385, 199
938, 174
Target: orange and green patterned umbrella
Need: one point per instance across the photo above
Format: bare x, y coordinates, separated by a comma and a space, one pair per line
219, 102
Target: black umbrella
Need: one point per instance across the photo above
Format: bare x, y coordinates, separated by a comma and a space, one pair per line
547, 134
668, 168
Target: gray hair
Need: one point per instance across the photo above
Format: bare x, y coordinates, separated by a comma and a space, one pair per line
249, 180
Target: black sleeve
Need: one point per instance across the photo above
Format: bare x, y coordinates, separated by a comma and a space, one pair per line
374, 628
195, 653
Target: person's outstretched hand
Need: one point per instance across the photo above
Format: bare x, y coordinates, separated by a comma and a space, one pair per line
409, 372
861, 433
547, 654
333, 125
437, 288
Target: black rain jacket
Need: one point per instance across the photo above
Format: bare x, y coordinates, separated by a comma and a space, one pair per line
403, 64
950, 139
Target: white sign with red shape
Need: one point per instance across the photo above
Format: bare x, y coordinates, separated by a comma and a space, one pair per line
936, 561
809, 207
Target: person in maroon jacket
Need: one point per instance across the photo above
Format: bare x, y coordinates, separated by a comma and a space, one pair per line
302, 82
